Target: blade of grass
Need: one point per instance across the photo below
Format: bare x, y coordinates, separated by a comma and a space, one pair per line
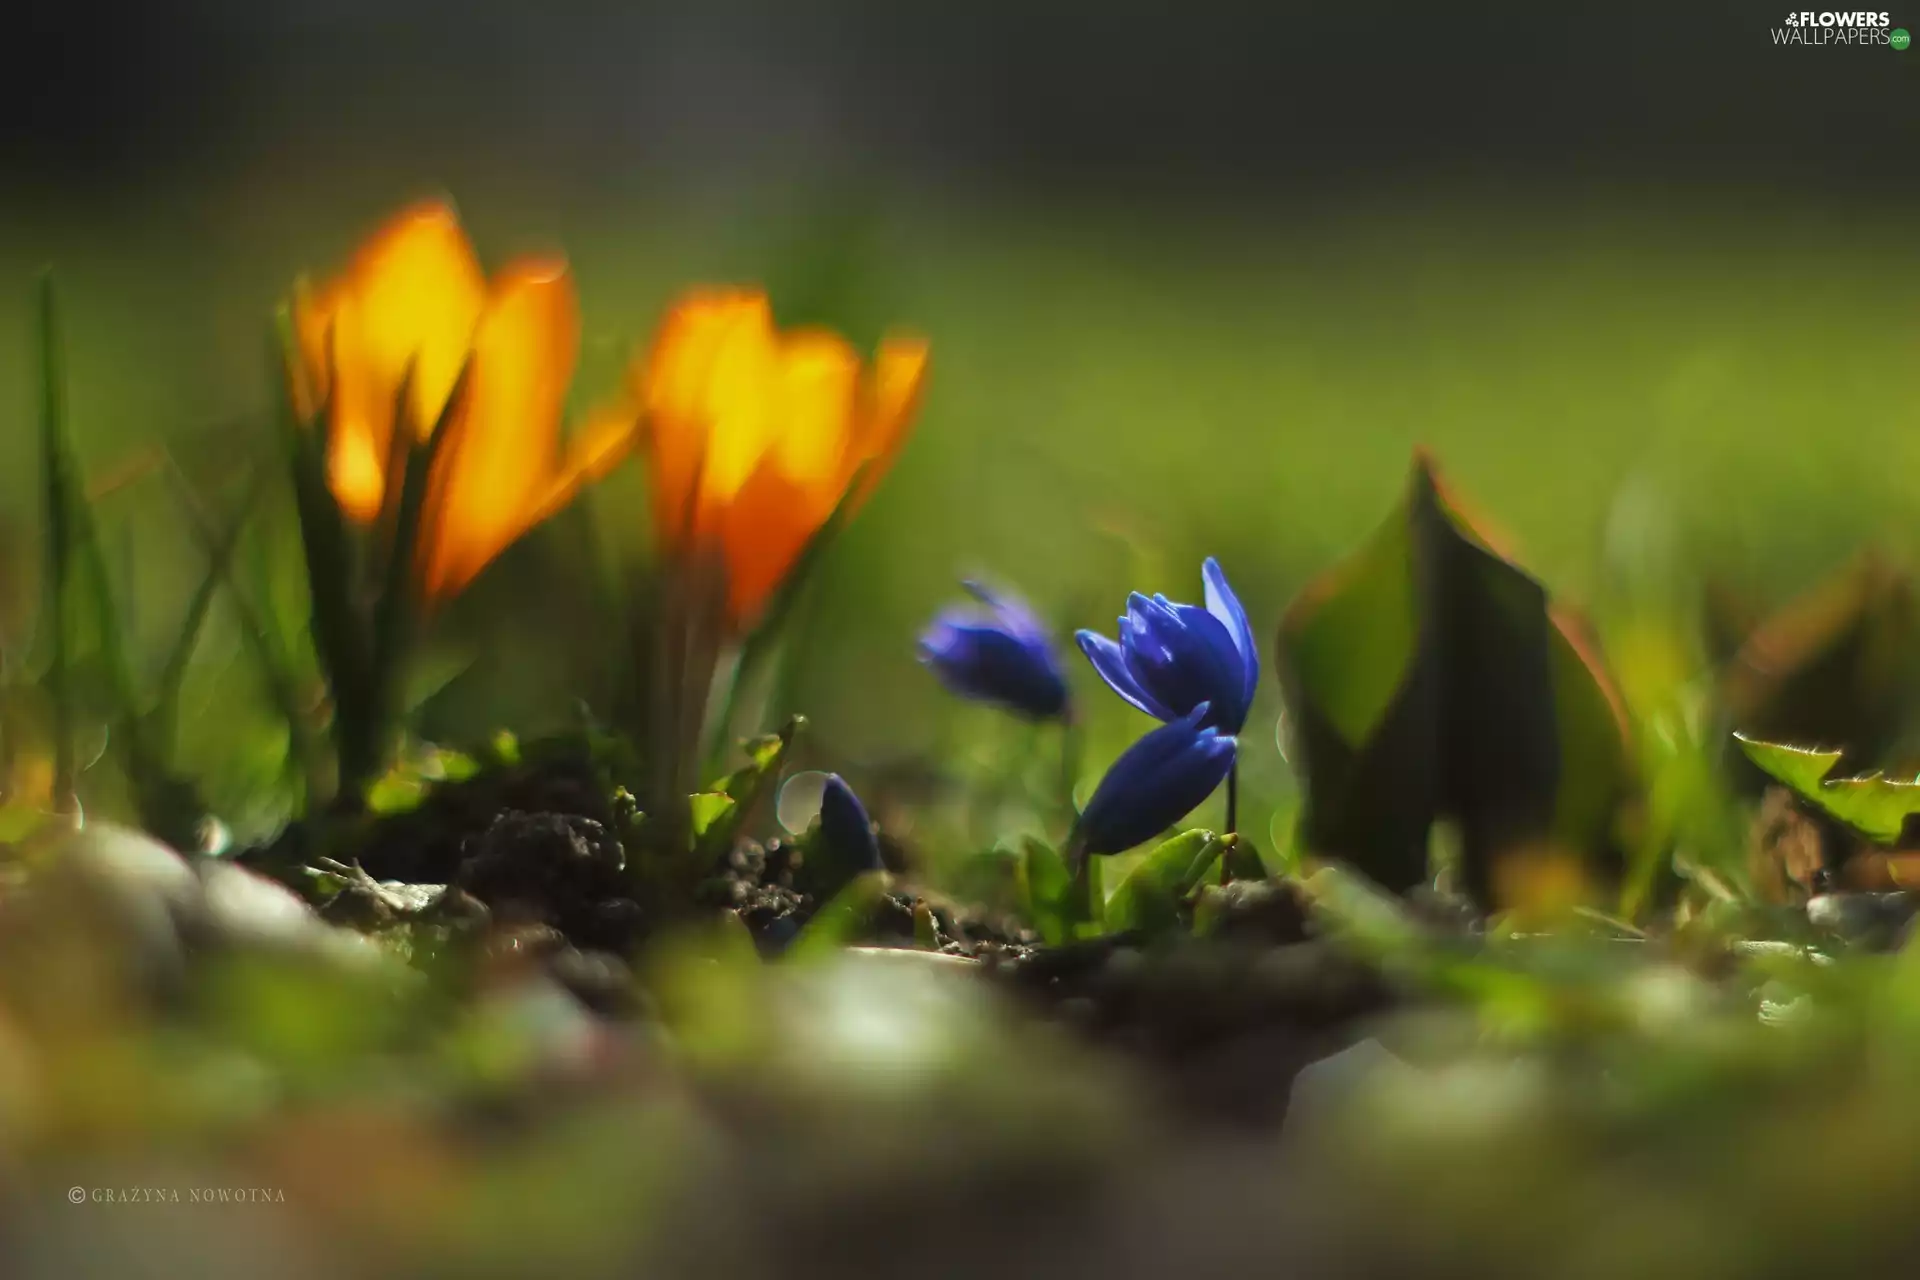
399, 604
57, 490
262, 641
339, 638
219, 565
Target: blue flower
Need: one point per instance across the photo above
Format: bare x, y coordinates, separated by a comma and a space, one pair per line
1155, 783
1171, 658
1003, 656
846, 832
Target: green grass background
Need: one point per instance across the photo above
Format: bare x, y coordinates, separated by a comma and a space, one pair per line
1636, 387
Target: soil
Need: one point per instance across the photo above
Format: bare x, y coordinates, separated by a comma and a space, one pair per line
524, 863
1223, 1022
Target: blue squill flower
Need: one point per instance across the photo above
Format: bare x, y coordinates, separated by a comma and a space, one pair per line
1171, 658
845, 830
1000, 655
1155, 783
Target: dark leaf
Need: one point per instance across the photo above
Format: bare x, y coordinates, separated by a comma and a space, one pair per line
1428, 677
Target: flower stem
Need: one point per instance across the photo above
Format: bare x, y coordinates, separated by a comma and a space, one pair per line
1072, 744
1233, 814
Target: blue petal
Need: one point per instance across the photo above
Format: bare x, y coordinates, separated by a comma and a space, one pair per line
1155, 783
1216, 664
1180, 655
1010, 613
978, 660
845, 829
1223, 604
1109, 660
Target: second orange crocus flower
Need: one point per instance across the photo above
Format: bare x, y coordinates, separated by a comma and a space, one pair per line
414, 309
754, 437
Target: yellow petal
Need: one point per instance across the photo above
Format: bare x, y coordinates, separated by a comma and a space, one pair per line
899, 377
409, 300
494, 470
753, 437
675, 390
740, 403
817, 398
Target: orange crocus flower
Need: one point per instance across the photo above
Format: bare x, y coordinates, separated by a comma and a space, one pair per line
754, 436
414, 301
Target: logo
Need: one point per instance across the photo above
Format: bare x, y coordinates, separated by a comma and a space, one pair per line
1828, 28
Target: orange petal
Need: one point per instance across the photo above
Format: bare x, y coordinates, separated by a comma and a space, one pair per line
409, 300
899, 378
817, 400
599, 445
740, 404
494, 470
675, 389
762, 536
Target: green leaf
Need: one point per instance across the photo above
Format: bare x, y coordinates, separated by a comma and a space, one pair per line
844, 920
746, 787
1874, 805
168, 805
1046, 886
1153, 896
19, 821
429, 675
340, 639
397, 609
1428, 677
1834, 665
263, 640
59, 488
1060, 906
1799, 769
408, 780
707, 809
1356, 912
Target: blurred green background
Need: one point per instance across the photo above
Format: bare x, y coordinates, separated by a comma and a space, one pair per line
1649, 299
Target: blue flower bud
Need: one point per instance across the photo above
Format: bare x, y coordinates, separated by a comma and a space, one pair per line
1155, 783
1001, 655
1171, 658
846, 833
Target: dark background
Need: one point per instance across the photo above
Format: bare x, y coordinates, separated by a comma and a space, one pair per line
1209, 100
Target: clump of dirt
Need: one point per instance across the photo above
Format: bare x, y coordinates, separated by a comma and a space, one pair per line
767, 885
524, 864
561, 870
428, 843
1222, 1023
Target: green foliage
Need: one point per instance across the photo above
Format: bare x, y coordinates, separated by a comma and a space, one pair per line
716, 825
1153, 897
1428, 677
843, 920
1058, 904
85, 631
365, 591
1834, 665
408, 779
1876, 806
